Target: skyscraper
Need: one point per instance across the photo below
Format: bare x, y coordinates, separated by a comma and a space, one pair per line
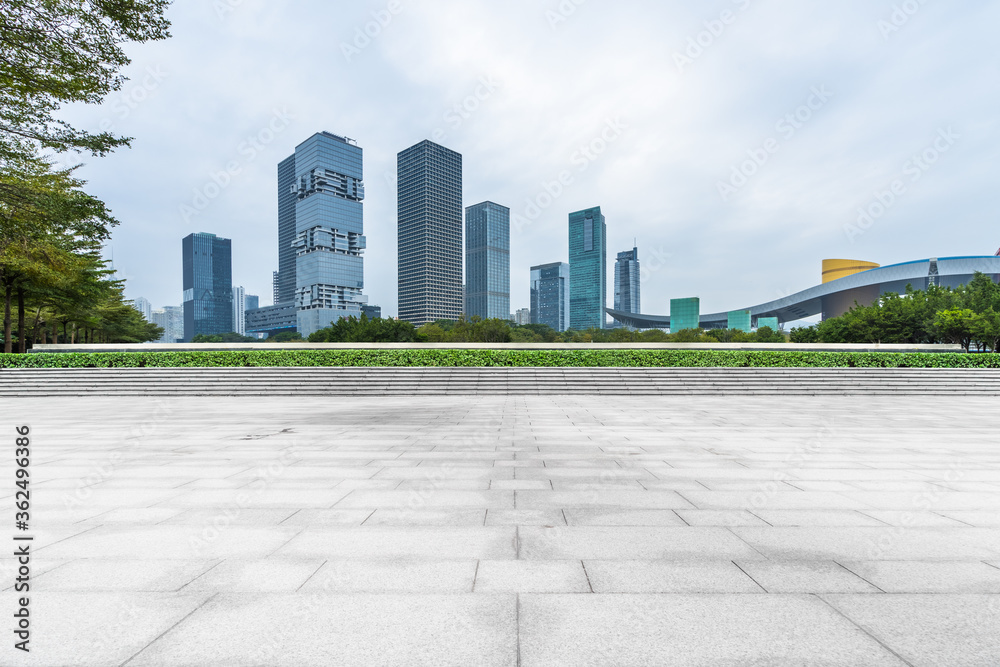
275, 288
171, 318
587, 269
251, 302
208, 285
284, 277
487, 261
429, 233
327, 194
239, 310
550, 290
143, 306
627, 281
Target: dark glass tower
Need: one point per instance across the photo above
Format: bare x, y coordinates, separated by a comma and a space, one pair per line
208, 285
587, 269
287, 196
627, 281
429, 233
487, 261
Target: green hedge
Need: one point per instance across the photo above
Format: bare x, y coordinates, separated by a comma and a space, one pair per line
614, 358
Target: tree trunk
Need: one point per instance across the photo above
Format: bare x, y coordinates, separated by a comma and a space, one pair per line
65, 335
7, 343
72, 340
22, 338
55, 333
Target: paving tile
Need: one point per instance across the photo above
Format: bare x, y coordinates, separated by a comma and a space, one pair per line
817, 518
929, 630
385, 542
393, 576
264, 575
110, 575
523, 576
622, 517
659, 576
763, 499
327, 517
525, 518
720, 518
349, 630
601, 497
913, 519
584, 630
929, 576
429, 497
631, 543
868, 543
426, 517
804, 576
96, 629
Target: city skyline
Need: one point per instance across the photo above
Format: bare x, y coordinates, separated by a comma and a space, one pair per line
846, 116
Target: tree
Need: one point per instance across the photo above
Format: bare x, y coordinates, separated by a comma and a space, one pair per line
986, 330
55, 52
808, 334
957, 326
286, 337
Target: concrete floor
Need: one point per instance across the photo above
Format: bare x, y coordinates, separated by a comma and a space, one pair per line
510, 530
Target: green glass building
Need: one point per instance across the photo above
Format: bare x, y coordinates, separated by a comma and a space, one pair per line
685, 314
588, 285
739, 319
768, 322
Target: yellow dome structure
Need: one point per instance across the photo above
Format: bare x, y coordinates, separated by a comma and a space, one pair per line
841, 268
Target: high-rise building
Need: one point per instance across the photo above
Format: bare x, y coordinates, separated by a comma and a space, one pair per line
587, 269
143, 306
324, 205
275, 289
522, 316
171, 319
239, 310
208, 285
487, 261
429, 233
288, 195
685, 314
251, 302
550, 293
627, 281
372, 312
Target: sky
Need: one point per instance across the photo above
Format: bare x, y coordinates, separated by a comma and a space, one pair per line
738, 143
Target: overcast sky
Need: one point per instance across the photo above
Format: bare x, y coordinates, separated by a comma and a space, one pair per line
735, 140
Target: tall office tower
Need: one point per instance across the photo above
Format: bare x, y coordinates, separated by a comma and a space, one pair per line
143, 306
275, 291
588, 269
550, 290
329, 231
627, 281
284, 277
251, 302
239, 310
429, 233
487, 261
208, 285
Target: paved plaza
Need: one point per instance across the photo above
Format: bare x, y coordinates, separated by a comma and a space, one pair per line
510, 530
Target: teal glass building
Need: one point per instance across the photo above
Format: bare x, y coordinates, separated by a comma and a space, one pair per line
739, 320
768, 322
429, 233
627, 281
685, 314
208, 285
550, 290
587, 269
487, 261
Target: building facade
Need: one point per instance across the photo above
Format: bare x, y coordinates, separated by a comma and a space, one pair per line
372, 312
275, 290
685, 314
208, 285
522, 316
738, 320
627, 281
144, 307
271, 320
251, 302
171, 319
429, 233
239, 310
487, 261
329, 242
588, 269
550, 294
284, 277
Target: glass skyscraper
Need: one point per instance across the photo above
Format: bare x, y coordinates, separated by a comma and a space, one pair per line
627, 281
208, 285
587, 269
328, 242
284, 277
550, 290
429, 233
487, 261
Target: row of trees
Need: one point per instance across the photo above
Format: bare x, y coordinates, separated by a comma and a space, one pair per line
54, 284
968, 315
